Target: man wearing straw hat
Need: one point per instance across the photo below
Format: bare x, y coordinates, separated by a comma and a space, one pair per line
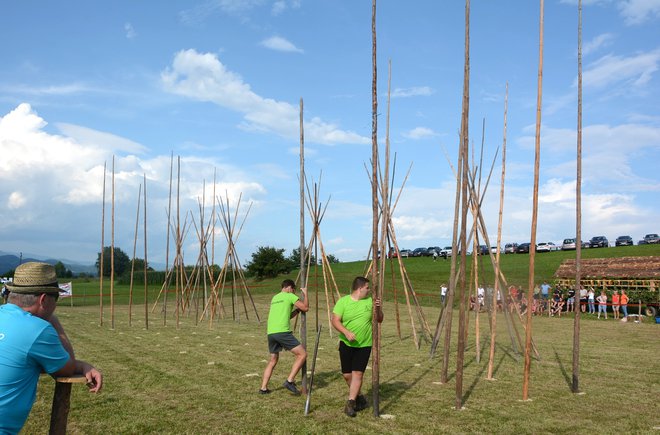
32, 341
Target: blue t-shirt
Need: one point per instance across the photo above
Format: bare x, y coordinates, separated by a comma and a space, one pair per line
29, 346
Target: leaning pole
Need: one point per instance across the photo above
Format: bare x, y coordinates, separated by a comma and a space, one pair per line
575, 384
303, 272
535, 206
375, 378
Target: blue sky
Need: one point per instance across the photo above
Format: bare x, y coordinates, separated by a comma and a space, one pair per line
218, 83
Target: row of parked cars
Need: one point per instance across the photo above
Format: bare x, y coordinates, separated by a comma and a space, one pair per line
570, 244
523, 248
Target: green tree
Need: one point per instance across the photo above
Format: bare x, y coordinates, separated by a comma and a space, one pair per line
332, 259
61, 271
122, 262
267, 262
294, 258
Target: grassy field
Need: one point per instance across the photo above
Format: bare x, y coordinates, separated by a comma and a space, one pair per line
202, 378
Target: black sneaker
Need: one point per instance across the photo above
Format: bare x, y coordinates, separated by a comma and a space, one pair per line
349, 409
361, 403
266, 391
291, 386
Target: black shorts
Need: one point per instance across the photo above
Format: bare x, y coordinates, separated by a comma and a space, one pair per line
353, 359
281, 340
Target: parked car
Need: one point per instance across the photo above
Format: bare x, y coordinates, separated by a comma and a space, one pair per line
446, 251
482, 250
493, 249
599, 242
404, 253
545, 247
523, 248
433, 250
418, 252
510, 248
624, 241
651, 238
568, 245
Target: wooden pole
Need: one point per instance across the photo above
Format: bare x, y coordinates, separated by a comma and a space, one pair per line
146, 289
130, 287
178, 260
493, 305
303, 276
460, 354
535, 200
101, 265
375, 357
167, 242
112, 252
575, 384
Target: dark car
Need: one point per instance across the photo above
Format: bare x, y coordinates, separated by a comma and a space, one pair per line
624, 241
599, 242
510, 248
431, 250
651, 238
523, 248
419, 252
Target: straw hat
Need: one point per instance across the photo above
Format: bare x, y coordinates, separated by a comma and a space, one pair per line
34, 278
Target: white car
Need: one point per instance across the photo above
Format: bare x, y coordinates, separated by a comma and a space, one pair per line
446, 251
546, 247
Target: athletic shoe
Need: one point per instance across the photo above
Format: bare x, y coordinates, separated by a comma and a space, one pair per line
361, 403
349, 409
266, 391
291, 386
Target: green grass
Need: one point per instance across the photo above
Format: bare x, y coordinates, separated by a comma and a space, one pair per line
201, 379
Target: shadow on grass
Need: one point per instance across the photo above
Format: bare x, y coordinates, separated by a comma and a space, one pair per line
563, 369
322, 379
390, 391
474, 383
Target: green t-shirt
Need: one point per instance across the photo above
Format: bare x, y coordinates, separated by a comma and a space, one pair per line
280, 312
356, 317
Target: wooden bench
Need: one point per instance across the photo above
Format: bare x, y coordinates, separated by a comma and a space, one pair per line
61, 401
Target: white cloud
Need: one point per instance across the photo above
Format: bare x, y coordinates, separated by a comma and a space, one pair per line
16, 200
70, 89
203, 77
634, 71
638, 11
89, 137
278, 7
203, 10
419, 133
417, 91
130, 31
600, 41
278, 43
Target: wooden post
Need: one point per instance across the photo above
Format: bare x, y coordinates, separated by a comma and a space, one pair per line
575, 384
130, 287
59, 413
146, 289
493, 307
303, 275
102, 250
535, 206
112, 252
375, 357
460, 353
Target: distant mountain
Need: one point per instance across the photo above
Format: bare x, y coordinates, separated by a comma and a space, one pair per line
10, 262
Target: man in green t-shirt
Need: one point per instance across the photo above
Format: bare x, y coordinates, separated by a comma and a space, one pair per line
280, 335
352, 317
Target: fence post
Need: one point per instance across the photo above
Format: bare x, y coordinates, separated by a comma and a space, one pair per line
59, 413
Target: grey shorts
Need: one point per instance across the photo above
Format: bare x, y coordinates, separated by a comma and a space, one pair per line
281, 340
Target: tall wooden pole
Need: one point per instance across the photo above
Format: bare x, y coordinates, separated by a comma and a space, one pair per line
493, 305
460, 353
167, 243
102, 249
146, 289
303, 263
112, 252
535, 206
575, 384
375, 378
130, 287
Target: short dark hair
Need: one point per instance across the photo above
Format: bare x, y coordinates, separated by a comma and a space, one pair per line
358, 282
288, 283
